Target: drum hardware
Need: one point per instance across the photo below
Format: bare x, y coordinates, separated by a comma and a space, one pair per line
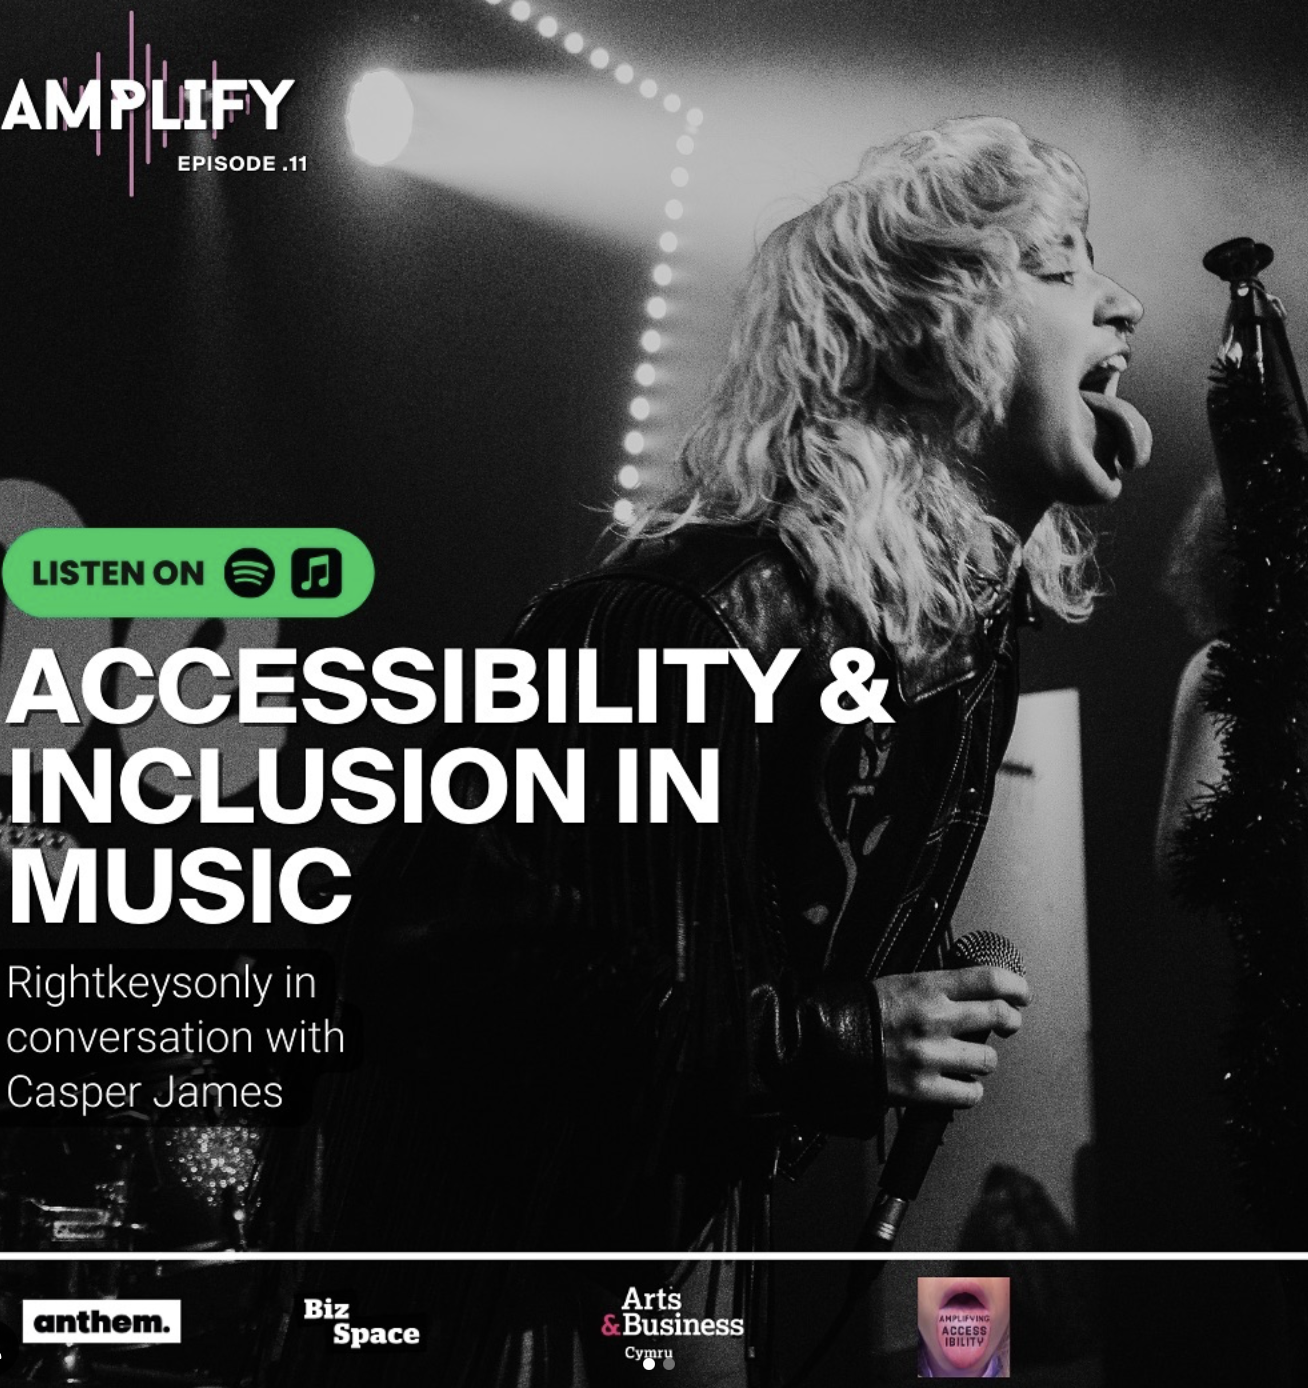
139, 1183
53, 842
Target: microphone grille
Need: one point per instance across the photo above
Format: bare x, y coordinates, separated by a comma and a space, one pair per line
986, 947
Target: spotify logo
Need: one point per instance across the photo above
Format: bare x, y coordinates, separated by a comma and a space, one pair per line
249, 573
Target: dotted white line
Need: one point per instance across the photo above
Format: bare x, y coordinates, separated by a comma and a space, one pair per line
648, 375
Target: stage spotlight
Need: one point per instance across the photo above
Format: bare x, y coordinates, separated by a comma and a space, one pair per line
629, 477
379, 116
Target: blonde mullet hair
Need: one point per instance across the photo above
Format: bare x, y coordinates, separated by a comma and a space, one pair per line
873, 356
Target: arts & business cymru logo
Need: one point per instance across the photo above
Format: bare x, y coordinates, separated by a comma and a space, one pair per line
635, 1324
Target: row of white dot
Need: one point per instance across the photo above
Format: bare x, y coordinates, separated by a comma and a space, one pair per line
651, 341
548, 27
656, 308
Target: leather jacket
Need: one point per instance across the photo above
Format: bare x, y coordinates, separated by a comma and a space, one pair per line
869, 828
611, 1034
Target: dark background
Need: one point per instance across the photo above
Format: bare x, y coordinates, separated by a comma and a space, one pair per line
1059, 1337
448, 378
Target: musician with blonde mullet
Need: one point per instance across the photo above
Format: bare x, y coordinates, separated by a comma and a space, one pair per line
872, 366
626, 1030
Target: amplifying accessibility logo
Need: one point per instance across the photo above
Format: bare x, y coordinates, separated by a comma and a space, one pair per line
304, 572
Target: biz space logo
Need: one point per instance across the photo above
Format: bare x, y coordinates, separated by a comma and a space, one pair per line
634, 1323
344, 1334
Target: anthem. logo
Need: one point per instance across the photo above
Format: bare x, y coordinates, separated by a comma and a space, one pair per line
102, 1321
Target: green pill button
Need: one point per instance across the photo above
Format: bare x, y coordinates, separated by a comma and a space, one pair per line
199, 572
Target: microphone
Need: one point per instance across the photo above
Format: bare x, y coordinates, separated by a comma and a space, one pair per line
920, 1132
922, 1126
1257, 414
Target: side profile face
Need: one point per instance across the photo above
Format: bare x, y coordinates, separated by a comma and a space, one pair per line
963, 1322
1068, 437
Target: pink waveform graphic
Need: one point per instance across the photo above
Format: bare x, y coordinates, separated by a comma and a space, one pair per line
148, 131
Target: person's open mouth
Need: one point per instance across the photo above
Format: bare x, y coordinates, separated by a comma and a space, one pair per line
963, 1325
1123, 438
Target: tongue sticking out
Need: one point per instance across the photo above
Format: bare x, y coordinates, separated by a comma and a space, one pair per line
963, 1331
1123, 438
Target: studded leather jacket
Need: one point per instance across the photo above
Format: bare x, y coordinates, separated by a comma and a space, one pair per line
622, 1029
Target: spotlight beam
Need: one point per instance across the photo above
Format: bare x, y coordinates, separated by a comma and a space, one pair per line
565, 149
379, 116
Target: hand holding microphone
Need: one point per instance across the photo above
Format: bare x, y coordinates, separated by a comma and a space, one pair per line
936, 1028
